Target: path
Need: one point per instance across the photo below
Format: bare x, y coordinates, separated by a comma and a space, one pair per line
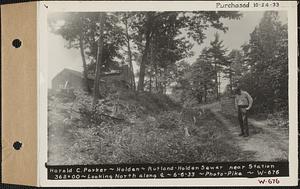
269, 144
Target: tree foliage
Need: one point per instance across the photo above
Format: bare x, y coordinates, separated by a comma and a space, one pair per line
259, 67
266, 57
217, 52
156, 41
203, 76
162, 30
235, 67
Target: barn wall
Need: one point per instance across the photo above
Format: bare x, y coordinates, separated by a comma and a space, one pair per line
57, 81
74, 80
77, 82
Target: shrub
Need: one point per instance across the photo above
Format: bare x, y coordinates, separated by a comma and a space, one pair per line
279, 119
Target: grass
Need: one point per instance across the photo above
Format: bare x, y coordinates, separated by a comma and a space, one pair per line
153, 134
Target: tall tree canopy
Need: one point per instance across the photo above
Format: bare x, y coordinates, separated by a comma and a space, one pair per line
266, 57
235, 67
154, 40
171, 25
217, 51
81, 30
203, 75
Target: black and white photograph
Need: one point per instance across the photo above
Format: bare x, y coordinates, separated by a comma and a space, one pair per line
150, 94
167, 87
159, 94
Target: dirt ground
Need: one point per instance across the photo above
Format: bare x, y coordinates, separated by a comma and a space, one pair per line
268, 142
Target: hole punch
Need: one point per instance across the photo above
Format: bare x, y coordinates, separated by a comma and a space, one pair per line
17, 145
16, 43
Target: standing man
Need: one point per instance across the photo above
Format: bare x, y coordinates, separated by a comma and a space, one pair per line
243, 103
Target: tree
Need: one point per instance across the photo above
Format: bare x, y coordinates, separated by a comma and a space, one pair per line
157, 36
128, 39
182, 89
165, 51
267, 61
99, 58
114, 39
235, 67
171, 24
219, 59
81, 30
148, 32
203, 74
73, 28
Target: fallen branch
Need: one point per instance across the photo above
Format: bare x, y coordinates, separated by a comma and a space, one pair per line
105, 115
112, 117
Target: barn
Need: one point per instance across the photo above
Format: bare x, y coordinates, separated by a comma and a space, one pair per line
68, 78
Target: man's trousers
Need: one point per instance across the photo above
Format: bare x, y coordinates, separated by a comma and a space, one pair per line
243, 119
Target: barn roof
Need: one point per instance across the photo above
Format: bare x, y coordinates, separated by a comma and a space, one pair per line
77, 73
90, 76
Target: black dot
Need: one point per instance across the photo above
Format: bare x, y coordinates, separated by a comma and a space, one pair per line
17, 145
17, 43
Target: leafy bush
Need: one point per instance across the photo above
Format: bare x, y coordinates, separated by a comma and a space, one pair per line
279, 119
169, 120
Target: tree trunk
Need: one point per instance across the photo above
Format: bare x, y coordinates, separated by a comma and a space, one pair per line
150, 70
165, 88
130, 56
160, 87
156, 75
85, 75
230, 79
199, 97
219, 85
165, 80
216, 81
150, 82
144, 62
99, 58
205, 93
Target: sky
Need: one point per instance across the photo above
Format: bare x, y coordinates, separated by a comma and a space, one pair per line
60, 57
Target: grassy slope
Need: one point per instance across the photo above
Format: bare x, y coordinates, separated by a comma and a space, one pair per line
152, 132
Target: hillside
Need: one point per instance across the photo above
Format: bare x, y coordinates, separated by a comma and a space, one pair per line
127, 127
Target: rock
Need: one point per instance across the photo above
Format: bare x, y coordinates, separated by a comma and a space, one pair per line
151, 118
